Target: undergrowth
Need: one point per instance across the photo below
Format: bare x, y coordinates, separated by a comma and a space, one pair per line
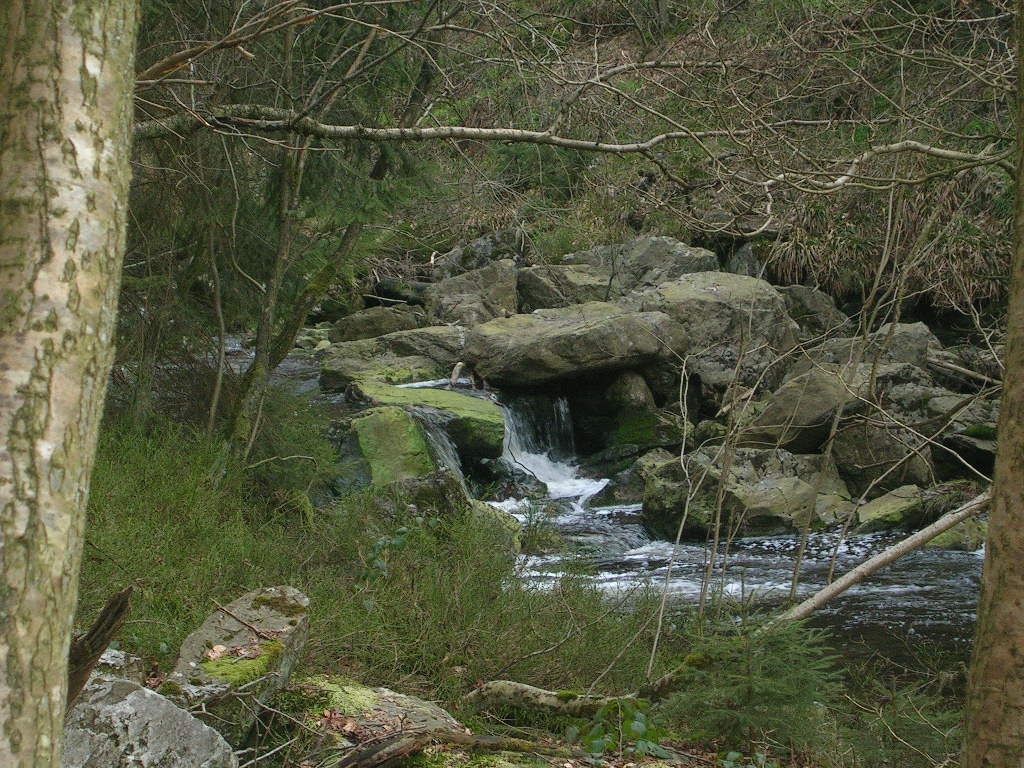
431, 603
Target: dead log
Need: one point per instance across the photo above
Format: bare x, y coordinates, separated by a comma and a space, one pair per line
87, 648
511, 693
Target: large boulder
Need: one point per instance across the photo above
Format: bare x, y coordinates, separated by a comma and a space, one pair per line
897, 509
799, 414
377, 321
419, 354
117, 723
475, 425
892, 343
731, 321
766, 491
814, 311
644, 262
240, 658
547, 287
875, 455
558, 344
474, 297
506, 244
393, 444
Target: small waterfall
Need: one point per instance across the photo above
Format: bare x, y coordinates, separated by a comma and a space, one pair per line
441, 446
538, 439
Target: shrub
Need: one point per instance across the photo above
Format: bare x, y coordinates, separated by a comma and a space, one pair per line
746, 683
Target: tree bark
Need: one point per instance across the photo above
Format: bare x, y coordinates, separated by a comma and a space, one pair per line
994, 732
65, 133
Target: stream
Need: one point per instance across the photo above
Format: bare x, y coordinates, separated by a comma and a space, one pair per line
928, 597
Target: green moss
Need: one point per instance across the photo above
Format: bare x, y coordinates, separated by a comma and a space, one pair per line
393, 444
567, 695
239, 671
283, 605
443, 399
341, 695
981, 431
169, 688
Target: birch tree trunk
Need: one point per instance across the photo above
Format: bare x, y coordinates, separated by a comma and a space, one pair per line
65, 117
994, 732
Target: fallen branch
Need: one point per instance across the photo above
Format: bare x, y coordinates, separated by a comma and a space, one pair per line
882, 559
511, 693
87, 648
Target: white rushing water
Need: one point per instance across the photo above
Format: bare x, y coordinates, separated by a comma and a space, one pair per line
538, 440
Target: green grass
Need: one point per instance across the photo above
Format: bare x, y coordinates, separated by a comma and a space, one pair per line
429, 602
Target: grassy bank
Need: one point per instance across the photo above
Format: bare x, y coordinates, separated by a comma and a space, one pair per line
430, 603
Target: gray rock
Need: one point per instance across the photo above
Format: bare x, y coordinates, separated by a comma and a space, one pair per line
117, 722
556, 344
506, 244
115, 663
474, 297
727, 318
799, 414
395, 358
743, 261
765, 491
547, 287
892, 343
874, 456
814, 311
644, 262
377, 321
895, 509
240, 657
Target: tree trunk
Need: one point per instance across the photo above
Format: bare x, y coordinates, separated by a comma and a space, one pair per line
994, 733
65, 129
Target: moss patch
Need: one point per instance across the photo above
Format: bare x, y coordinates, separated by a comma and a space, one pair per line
981, 431
239, 671
393, 444
340, 695
283, 605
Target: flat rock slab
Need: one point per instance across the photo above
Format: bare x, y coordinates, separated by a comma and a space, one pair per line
418, 354
118, 722
347, 716
242, 655
558, 344
476, 425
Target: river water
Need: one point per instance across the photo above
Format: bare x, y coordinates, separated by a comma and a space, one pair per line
928, 597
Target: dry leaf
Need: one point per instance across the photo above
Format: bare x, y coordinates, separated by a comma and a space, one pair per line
216, 652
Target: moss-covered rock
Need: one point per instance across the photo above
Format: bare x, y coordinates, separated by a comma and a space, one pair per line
377, 321
341, 713
547, 286
475, 296
240, 658
557, 344
899, 508
968, 536
766, 491
476, 425
393, 444
729, 321
419, 354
